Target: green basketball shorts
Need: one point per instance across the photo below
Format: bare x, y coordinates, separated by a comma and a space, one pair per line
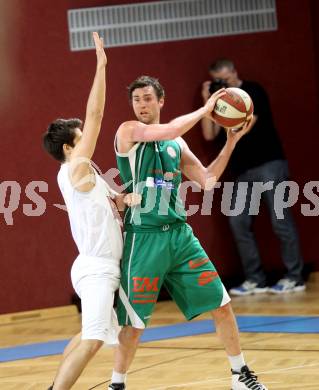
169, 255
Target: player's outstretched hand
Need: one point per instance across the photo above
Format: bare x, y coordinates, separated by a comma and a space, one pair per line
210, 104
132, 199
99, 47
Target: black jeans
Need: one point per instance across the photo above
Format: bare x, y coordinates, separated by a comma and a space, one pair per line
285, 229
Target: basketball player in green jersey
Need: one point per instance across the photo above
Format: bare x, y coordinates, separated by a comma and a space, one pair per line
160, 247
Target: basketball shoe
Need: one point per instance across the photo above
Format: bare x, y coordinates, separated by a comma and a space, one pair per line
116, 386
245, 380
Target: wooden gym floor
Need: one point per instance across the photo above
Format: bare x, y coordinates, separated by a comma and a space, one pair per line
287, 361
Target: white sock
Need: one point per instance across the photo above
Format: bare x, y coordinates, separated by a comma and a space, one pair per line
236, 362
117, 377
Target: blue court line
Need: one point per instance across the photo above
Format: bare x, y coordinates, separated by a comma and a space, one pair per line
30, 351
254, 324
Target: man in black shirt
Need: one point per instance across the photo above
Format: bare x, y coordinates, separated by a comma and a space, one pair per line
257, 160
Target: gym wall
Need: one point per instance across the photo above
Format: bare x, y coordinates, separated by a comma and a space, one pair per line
43, 80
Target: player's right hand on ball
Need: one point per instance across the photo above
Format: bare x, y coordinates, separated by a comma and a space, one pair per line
210, 104
132, 199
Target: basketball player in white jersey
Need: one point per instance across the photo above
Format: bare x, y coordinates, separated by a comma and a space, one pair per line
96, 271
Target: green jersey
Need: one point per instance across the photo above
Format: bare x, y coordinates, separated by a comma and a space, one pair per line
152, 169
159, 247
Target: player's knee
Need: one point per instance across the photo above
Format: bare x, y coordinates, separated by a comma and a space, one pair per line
91, 346
130, 333
222, 312
135, 333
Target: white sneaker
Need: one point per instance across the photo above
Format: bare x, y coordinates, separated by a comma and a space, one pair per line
286, 286
248, 288
245, 380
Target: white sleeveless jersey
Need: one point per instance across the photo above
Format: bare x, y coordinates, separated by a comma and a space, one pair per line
95, 229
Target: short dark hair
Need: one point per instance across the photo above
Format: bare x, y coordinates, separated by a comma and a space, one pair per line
60, 132
220, 64
145, 81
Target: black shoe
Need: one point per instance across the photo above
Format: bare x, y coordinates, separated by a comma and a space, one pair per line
245, 380
116, 386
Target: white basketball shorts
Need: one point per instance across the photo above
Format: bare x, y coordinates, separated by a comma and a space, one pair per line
95, 280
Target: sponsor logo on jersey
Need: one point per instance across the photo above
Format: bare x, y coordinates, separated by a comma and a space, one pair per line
198, 262
145, 284
163, 183
159, 182
143, 299
171, 151
207, 277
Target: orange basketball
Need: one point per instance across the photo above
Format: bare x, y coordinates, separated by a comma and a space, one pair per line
233, 109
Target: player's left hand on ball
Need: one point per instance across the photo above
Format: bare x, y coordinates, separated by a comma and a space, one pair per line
132, 199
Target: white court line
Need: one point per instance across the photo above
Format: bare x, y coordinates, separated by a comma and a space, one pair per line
289, 368
214, 380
